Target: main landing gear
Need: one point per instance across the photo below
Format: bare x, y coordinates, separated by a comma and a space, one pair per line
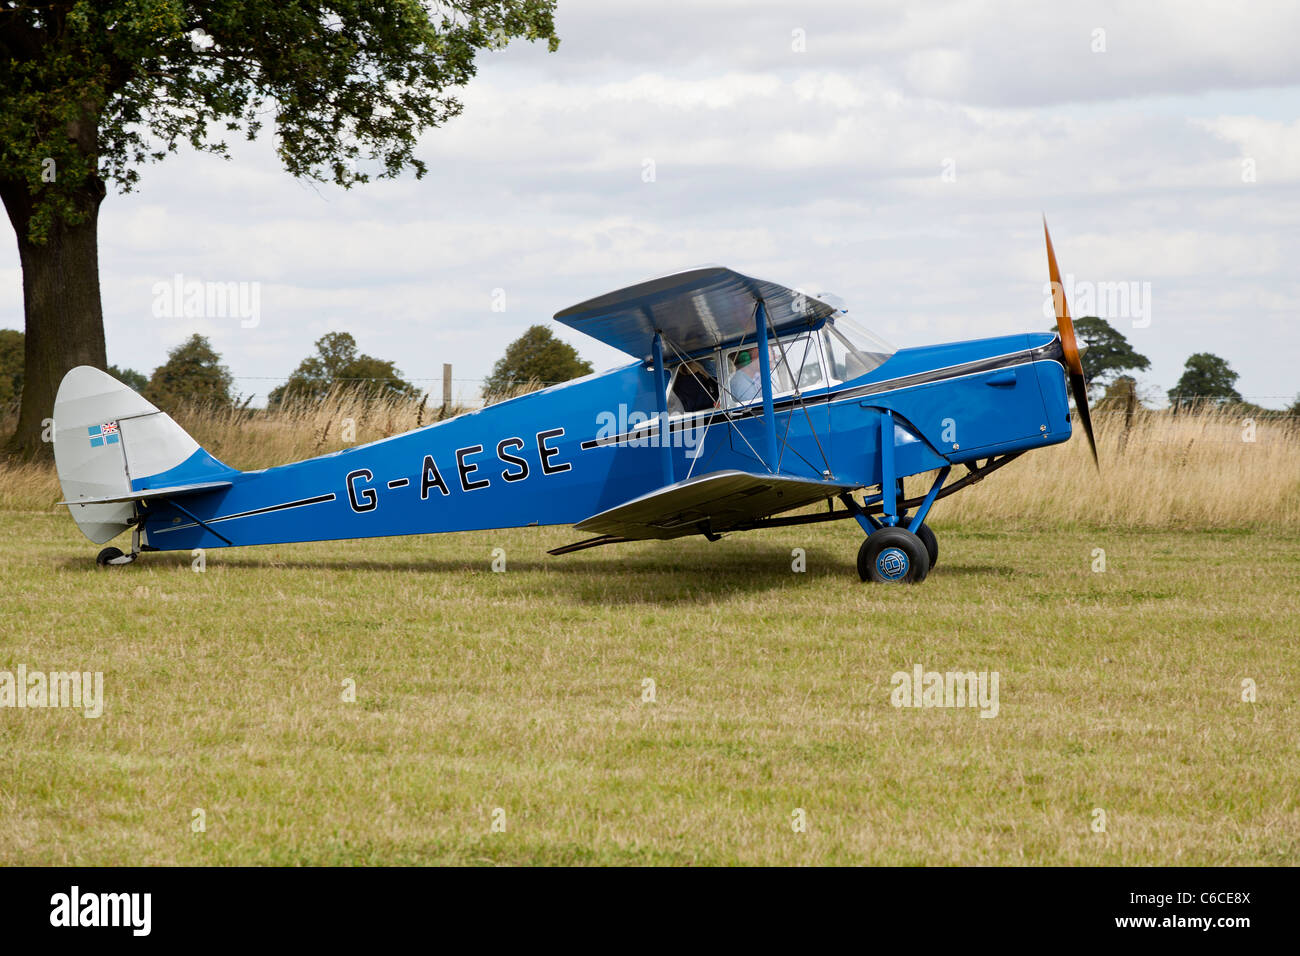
899, 549
896, 555
893, 555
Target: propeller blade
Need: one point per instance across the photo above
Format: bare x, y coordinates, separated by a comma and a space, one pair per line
1070, 346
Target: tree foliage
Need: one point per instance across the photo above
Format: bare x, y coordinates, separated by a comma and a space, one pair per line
192, 374
129, 377
1108, 353
1205, 378
11, 366
11, 369
537, 357
337, 364
1120, 395
90, 91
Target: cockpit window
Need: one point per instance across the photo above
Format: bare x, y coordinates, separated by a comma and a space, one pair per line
837, 352
743, 384
694, 387
797, 362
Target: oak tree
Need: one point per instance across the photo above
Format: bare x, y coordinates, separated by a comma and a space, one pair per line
535, 359
338, 365
192, 374
91, 90
1206, 378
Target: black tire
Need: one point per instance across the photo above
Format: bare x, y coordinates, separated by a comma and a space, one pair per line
931, 543
893, 556
107, 555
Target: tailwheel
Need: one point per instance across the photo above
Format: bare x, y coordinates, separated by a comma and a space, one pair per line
113, 556
893, 555
931, 543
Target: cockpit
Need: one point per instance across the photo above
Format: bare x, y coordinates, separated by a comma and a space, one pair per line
838, 351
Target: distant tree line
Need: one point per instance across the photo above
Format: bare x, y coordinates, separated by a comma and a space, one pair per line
1108, 358
194, 373
338, 365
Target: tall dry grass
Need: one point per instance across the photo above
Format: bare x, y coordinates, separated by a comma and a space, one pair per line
1160, 471
260, 438
252, 438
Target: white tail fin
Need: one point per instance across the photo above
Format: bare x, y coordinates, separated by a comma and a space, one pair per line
110, 442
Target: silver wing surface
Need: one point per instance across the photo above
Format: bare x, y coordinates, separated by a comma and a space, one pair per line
714, 502
696, 309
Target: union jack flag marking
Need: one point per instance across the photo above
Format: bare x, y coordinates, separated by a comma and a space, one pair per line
105, 434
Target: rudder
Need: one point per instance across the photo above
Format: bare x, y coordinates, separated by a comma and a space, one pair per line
110, 441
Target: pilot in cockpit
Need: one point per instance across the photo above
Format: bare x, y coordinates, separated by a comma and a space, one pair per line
694, 389
744, 386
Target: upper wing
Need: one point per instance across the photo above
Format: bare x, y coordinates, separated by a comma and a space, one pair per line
696, 309
717, 502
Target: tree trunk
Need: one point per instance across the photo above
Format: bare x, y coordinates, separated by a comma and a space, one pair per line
64, 317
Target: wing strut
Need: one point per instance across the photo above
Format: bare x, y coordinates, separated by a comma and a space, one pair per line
723, 394
798, 397
765, 373
661, 398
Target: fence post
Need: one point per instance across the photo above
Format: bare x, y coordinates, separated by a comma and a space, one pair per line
446, 390
1130, 406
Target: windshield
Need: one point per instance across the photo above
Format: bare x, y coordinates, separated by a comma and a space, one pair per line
852, 350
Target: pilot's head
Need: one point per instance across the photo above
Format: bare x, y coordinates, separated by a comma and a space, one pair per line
745, 359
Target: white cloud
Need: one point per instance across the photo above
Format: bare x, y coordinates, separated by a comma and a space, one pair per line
1271, 147
822, 168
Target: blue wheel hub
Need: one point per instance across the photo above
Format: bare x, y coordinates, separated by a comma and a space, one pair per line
892, 563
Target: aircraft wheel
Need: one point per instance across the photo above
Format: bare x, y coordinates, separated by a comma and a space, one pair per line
113, 556
892, 556
931, 543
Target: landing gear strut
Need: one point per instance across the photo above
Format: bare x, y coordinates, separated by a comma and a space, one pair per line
898, 548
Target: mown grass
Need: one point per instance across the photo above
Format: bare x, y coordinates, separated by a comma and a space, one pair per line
523, 691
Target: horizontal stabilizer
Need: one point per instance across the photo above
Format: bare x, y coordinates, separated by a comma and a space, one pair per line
175, 491
714, 502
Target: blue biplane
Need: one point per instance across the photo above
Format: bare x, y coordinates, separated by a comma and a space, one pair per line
746, 401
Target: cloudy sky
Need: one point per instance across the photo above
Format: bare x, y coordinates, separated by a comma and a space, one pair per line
897, 154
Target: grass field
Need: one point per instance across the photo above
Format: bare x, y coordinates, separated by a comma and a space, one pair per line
523, 690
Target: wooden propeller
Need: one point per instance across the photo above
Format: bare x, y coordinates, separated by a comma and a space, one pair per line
1070, 346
